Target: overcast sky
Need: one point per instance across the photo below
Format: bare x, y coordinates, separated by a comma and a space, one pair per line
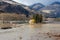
30, 2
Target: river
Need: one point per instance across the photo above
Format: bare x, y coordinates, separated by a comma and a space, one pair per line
32, 32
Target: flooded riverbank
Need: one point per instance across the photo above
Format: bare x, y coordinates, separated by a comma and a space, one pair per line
32, 32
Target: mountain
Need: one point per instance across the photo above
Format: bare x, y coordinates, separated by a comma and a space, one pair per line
55, 3
54, 8
12, 7
36, 6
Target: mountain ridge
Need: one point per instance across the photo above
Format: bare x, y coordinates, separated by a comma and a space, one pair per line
55, 3
54, 6
36, 6
12, 8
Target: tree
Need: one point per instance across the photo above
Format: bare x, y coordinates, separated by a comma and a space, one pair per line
38, 18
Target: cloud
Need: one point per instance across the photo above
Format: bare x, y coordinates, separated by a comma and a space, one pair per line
30, 2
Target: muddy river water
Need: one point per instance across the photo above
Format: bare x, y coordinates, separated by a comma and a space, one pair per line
32, 32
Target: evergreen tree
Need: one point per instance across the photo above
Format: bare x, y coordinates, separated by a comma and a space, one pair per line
38, 18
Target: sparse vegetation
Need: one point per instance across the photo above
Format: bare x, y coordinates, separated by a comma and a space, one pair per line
5, 19
12, 16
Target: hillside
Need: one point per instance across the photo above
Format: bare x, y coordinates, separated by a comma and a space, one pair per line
13, 7
54, 6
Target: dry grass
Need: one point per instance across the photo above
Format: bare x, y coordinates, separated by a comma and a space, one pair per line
12, 16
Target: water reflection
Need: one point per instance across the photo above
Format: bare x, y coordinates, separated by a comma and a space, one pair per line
40, 31
35, 25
